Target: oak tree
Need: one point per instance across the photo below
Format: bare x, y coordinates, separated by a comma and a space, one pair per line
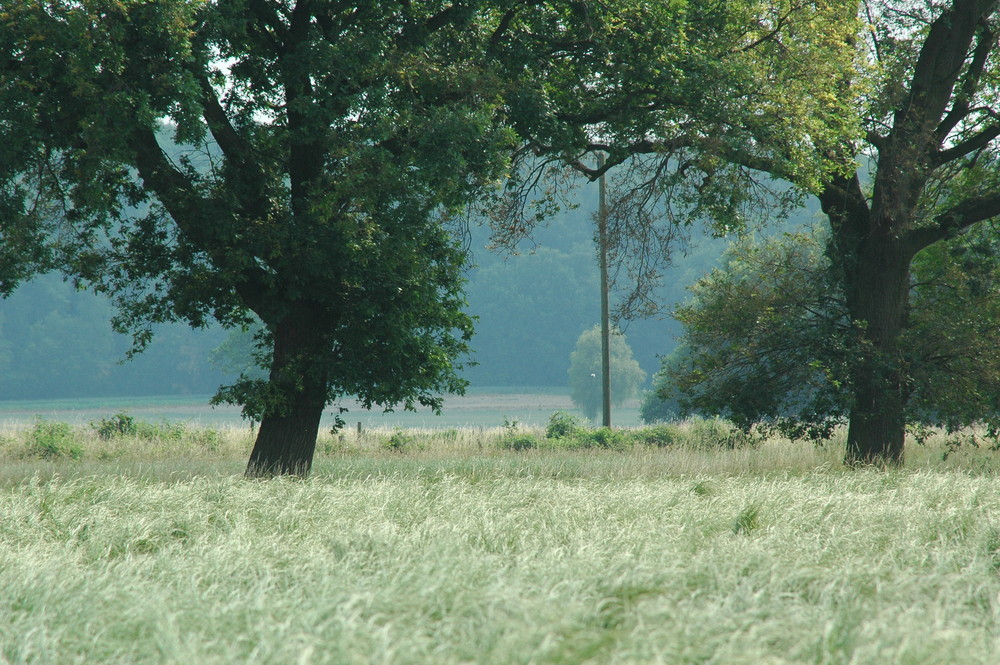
290, 159
892, 121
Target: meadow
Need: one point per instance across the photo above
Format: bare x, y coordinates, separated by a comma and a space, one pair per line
492, 545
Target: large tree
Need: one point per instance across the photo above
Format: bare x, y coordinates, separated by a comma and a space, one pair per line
290, 159
932, 122
921, 166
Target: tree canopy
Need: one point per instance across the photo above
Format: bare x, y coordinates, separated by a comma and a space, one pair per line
886, 112
667, 94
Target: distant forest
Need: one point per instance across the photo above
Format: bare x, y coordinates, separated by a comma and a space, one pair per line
56, 342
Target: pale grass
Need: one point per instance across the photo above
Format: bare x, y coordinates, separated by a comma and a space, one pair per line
453, 550
424, 562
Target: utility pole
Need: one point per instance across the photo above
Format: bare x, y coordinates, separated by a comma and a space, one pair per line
602, 241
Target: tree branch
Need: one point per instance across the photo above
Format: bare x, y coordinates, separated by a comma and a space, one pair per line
502, 28
875, 139
938, 67
267, 14
970, 145
233, 146
955, 220
187, 208
970, 82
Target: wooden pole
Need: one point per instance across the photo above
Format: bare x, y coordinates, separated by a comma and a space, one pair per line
602, 240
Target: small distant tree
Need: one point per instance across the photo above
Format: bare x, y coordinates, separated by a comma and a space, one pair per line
585, 371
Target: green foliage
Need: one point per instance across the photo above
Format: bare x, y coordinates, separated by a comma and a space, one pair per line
308, 182
240, 353
519, 442
673, 101
118, 425
585, 371
603, 438
562, 425
659, 436
953, 332
124, 426
398, 442
764, 338
53, 440
653, 408
768, 338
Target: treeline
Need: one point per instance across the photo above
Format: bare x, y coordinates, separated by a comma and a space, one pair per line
57, 342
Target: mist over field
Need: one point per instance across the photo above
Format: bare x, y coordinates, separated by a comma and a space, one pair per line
56, 342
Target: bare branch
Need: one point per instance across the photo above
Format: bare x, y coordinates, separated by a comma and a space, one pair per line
970, 145
955, 220
969, 84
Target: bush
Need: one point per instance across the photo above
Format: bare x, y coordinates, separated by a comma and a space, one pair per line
563, 425
398, 442
660, 436
116, 426
716, 433
53, 440
519, 442
123, 425
603, 437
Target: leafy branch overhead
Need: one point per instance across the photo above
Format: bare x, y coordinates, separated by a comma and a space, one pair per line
688, 102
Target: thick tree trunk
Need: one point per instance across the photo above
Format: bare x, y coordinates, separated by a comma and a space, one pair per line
877, 427
286, 439
878, 292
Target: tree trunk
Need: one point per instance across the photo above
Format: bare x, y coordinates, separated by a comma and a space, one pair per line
878, 293
286, 439
877, 427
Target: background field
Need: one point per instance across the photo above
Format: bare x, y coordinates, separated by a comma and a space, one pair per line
451, 549
481, 407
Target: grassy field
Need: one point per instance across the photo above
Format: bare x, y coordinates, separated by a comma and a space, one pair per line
451, 548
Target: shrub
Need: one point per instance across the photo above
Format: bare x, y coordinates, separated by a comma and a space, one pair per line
123, 425
716, 433
563, 425
163, 430
53, 440
398, 442
519, 442
603, 437
660, 436
116, 426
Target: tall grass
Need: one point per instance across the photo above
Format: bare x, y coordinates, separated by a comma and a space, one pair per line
512, 567
450, 548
